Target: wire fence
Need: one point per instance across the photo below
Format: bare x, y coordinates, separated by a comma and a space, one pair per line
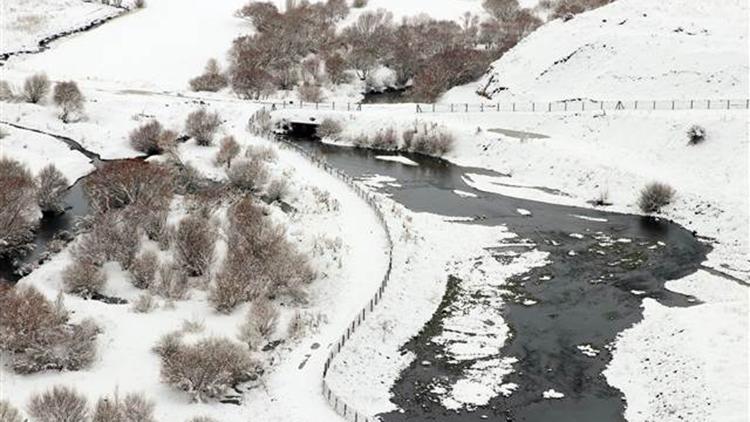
335, 400
568, 106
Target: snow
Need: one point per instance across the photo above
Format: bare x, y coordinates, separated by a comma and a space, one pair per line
523, 212
37, 151
25, 22
397, 159
552, 394
701, 49
464, 194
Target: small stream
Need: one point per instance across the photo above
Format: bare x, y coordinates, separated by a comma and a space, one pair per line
591, 291
52, 226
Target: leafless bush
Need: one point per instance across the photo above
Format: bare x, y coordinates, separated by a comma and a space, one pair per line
83, 279
261, 122
431, 140
8, 413
208, 369
121, 183
111, 237
139, 4
260, 261
202, 125
248, 175
6, 92
144, 304
696, 134
361, 141
297, 327
260, 323
211, 80
277, 189
228, 150
18, 206
447, 69
35, 88
336, 68
359, 4
51, 188
194, 245
386, 139
147, 138
69, 98
26, 316
655, 196
261, 152
172, 282
60, 404
310, 93
566, 9
328, 128
143, 270
133, 408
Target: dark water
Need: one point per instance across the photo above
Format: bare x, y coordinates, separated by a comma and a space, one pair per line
51, 226
583, 297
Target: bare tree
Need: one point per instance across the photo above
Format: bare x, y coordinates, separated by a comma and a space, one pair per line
69, 98
51, 188
202, 125
35, 88
119, 184
368, 39
147, 138
248, 174
133, 408
228, 150
143, 270
211, 80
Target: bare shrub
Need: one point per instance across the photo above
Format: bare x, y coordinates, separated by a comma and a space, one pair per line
143, 270
361, 141
432, 140
260, 260
202, 125
261, 152
336, 67
277, 189
83, 279
260, 323
194, 245
173, 282
113, 236
248, 174
261, 122
696, 134
35, 88
133, 408
6, 91
18, 206
502, 10
25, 317
139, 4
121, 183
59, 404
208, 369
211, 80
447, 69
69, 98
51, 188
328, 128
310, 93
386, 139
147, 138
297, 327
359, 4
566, 9
263, 15
8, 413
654, 196
144, 304
228, 150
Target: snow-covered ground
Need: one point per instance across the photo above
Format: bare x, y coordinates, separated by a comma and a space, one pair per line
629, 49
25, 22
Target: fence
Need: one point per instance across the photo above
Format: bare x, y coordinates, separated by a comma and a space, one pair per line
570, 106
334, 400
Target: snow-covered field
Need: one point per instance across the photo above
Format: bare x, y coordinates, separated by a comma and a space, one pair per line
137, 67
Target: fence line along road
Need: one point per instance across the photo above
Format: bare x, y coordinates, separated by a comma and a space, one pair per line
335, 400
569, 106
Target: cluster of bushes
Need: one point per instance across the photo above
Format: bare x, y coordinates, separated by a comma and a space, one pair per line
423, 139
261, 262
302, 48
655, 196
38, 336
206, 369
64, 404
566, 9
65, 95
22, 197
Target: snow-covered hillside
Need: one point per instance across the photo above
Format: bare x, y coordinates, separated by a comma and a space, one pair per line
629, 49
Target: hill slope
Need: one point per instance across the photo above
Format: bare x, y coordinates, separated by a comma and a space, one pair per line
630, 49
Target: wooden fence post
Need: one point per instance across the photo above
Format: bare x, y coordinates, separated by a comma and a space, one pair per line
467, 107
549, 107
433, 107
728, 102
514, 106
451, 107
419, 110
691, 104
533, 106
